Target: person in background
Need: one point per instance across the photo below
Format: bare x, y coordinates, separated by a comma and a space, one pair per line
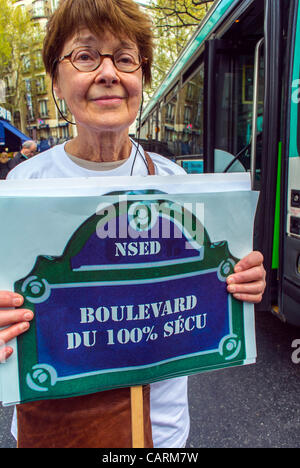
29, 149
43, 145
4, 169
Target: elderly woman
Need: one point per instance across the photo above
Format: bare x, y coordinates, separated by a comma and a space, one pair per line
98, 54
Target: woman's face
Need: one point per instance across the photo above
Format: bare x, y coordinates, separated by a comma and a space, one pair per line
104, 99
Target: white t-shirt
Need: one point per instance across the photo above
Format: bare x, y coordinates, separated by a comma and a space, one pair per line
168, 399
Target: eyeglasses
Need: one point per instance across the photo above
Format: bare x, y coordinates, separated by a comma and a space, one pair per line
87, 59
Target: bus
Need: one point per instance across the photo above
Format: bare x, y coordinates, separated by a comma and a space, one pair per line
231, 102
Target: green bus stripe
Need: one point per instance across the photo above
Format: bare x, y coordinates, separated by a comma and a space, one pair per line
293, 150
275, 258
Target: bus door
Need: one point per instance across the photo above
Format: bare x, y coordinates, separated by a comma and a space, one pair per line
241, 114
289, 305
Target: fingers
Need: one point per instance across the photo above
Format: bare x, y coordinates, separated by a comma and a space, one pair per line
253, 259
10, 316
9, 333
248, 292
248, 298
16, 321
253, 299
252, 288
10, 299
5, 353
253, 274
248, 282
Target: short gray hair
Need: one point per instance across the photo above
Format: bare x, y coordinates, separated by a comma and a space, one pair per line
28, 144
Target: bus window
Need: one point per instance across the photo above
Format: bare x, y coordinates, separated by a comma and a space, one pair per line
168, 127
192, 124
234, 116
181, 118
230, 82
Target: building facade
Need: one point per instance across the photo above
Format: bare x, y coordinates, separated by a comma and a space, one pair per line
37, 115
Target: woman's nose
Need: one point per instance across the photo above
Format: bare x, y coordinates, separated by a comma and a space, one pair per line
106, 73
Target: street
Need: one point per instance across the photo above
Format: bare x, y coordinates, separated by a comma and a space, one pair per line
254, 406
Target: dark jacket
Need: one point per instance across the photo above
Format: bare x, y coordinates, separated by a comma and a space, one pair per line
4, 170
16, 160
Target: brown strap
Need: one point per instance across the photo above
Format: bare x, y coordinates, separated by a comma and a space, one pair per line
151, 168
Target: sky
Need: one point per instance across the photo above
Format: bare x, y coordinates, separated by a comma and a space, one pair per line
143, 1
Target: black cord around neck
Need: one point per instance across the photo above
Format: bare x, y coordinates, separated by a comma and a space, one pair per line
57, 107
139, 133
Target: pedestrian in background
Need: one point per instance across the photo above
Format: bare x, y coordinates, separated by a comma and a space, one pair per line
4, 169
29, 149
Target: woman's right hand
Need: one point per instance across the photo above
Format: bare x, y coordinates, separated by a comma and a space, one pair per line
16, 321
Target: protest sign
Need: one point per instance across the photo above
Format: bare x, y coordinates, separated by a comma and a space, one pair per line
127, 287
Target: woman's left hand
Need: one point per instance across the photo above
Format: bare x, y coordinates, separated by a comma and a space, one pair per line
248, 282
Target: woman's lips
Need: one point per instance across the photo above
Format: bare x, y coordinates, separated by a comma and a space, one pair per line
108, 100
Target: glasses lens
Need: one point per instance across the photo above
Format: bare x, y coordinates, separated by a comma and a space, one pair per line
85, 59
88, 59
127, 61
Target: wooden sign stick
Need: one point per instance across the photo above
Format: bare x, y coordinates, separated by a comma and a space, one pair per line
137, 416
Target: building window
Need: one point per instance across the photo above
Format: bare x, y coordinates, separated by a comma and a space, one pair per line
36, 32
17, 116
38, 60
30, 114
62, 106
187, 114
43, 108
65, 132
41, 85
26, 63
170, 112
54, 4
2, 91
8, 85
190, 91
38, 8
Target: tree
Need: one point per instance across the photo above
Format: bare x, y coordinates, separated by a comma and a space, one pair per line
188, 13
19, 40
174, 22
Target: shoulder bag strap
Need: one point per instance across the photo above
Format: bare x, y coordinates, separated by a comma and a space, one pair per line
150, 164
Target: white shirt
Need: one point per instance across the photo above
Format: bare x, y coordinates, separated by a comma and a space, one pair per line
168, 398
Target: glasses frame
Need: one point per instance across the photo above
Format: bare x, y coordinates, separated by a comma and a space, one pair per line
143, 60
